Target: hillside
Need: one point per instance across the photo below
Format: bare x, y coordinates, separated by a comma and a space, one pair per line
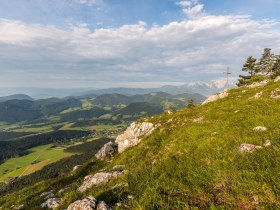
16, 96
223, 154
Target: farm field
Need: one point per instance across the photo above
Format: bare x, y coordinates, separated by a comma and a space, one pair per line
41, 156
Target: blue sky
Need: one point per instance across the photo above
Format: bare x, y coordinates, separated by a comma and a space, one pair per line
133, 43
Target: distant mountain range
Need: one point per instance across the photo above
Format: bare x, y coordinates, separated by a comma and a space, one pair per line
17, 97
204, 88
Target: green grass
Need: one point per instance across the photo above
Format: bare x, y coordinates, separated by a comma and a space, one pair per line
188, 165
22, 165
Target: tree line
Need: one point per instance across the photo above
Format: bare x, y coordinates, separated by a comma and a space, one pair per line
267, 67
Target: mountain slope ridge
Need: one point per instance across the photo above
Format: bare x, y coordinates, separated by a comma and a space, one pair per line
191, 161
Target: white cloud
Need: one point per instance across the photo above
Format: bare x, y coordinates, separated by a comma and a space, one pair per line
194, 49
89, 2
191, 8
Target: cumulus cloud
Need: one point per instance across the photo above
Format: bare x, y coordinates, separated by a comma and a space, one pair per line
191, 8
193, 49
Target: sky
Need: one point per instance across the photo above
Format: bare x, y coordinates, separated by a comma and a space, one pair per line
131, 43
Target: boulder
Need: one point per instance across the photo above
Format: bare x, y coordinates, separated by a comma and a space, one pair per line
89, 203
131, 137
257, 95
216, 97
248, 148
260, 128
51, 203
107, 150
98, 179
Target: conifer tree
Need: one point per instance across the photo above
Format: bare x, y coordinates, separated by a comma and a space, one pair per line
267, 62
251, 68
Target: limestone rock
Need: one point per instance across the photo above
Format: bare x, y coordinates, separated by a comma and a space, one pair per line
277, 79
98, 179
248, 148
260, 128
51, 203
258, 84
88, 203
76, 167
131, 137
216, 97
107, 150
267, 143
102, 206
275, 94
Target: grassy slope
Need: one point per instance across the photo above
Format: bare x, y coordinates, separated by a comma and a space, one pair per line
185, 165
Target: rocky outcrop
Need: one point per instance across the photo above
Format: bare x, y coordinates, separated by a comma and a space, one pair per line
131, 137
267, 143
277, 79
89, 203
258, 84
275, 94
257, 95
216, 97
198, 120
98, 179
51, 203
107, 150
248, 148
48, 194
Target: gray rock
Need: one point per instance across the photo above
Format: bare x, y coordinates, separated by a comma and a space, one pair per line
51, 203
216, 97
248, 148
131, 137
98, 179
88, 203
47, 194
107, 150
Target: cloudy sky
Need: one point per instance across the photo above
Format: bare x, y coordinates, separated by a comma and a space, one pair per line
130, 43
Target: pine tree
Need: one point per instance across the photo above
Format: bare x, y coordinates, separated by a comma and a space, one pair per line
191, 104
251, 68
267, 62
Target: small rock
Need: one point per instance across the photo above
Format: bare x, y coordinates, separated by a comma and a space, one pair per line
51, 203
98, 179
102, 206
169, 111
248, 148
244, 91
131, 197
216, 97
107, 150
267, 143
260, 128
118, 167
170, 120
275, 94
76, 167
236, 111
198, 120
47, 194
